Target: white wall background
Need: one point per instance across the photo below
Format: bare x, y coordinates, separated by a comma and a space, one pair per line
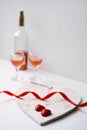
56, 27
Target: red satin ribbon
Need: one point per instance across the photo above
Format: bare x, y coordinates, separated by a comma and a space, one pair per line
45, 97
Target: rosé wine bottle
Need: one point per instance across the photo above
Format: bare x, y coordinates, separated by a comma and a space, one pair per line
21, 40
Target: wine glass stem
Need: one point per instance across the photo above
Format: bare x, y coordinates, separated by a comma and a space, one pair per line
36, 68
16, 74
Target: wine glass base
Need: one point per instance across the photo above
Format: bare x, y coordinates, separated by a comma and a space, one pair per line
35, 77
14, 78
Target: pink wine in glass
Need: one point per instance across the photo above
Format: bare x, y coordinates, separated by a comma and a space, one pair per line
35, 61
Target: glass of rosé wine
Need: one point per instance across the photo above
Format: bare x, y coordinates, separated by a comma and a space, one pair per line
35, 61
17, 59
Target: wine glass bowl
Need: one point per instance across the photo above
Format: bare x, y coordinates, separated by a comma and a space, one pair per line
17, 59
35, 60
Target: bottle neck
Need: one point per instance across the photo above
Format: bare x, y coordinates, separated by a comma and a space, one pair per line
21, 27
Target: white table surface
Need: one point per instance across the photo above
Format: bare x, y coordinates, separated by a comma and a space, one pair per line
13, 118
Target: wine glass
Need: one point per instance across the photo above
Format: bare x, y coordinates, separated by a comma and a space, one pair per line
35, 60
17, 59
